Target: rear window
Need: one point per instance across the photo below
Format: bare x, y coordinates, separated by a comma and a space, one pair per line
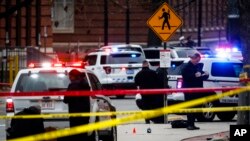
221, 69
91, 59
127, 58
176, 67
42, 81
205, 51
154, 63
185, 53
152, 54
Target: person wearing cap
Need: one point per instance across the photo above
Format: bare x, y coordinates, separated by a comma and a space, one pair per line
193, 77
78, 104
148, 79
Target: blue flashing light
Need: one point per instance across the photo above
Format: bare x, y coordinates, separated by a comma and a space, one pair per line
173, 66
133, 55
235, 49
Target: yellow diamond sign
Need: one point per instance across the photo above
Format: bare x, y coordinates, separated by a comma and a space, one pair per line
164, 22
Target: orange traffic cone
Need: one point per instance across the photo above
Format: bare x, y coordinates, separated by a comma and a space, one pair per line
134, 131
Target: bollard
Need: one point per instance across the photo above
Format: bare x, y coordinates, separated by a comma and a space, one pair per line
16, 65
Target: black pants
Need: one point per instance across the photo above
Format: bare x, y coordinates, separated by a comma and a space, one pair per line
148, 106
191, 116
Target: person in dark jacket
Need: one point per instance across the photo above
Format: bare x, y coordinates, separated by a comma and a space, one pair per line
78, 104
25, 127
148, 79
193, 77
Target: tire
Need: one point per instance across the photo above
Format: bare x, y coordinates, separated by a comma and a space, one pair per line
120, 96
110, 137
206, 116
226, 116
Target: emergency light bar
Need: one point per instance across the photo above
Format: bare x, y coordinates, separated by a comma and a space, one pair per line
54, 65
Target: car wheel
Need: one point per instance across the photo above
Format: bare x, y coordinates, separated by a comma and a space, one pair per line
206, 116
110, 137
120, 96
226, 116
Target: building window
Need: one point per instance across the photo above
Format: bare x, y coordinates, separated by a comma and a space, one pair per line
63, 16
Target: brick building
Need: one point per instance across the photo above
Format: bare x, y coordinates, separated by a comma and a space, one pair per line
68, 23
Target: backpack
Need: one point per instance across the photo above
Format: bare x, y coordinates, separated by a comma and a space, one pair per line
179, 124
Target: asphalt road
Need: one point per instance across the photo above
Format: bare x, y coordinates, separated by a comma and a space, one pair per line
126, 104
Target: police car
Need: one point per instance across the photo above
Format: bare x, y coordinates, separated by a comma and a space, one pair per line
54, 77
152, 54
115, 68
222, 73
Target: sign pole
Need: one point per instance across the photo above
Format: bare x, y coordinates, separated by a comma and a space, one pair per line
165, 84
165, 22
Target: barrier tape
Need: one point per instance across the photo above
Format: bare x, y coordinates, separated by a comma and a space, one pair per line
127, 119
176, 111
117, 92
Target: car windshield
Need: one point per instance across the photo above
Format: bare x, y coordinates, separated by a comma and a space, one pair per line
185, 52
152, 54
127, 58
42, 81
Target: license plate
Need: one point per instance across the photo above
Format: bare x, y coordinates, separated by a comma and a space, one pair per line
48, 104
130, 71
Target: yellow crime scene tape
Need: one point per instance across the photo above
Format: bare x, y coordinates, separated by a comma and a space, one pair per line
176, 111
128, 119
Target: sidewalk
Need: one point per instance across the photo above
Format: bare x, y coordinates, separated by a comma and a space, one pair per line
163, 132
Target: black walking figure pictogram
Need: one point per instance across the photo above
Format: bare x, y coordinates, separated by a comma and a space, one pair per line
166, 16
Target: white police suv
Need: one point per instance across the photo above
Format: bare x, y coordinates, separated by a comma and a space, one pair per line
54, 77
115, 68
222, 73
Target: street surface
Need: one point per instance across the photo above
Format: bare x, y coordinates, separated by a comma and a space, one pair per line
159, 132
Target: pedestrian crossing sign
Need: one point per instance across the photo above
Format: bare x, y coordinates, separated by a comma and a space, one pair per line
164, 22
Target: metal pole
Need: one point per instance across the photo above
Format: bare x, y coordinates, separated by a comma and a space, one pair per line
45, 39
105, 22
38, 23
127, 22
165, 84
199, 21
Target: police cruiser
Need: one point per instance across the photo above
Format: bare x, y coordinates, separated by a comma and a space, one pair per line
114, 67
47, 77
223, 72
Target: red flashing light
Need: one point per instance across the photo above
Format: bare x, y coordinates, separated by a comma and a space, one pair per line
58, 65
31, 65
77, 64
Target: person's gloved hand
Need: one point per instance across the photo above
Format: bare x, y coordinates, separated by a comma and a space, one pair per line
197, 74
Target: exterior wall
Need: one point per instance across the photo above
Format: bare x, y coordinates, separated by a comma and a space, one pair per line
45, 21
89, 21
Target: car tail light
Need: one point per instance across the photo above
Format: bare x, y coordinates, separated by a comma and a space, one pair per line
107, 69
9, 105
123, 69
179, 83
